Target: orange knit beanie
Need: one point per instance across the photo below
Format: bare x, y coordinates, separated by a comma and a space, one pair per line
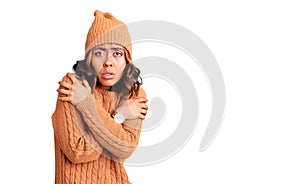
107, 29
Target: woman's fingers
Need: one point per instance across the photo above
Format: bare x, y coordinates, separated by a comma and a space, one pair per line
144, 108
65, 85
73, 77
65, 98
64, 91
74, 91
65, 95
85, 83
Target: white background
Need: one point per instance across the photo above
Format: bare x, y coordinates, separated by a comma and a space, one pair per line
256, 44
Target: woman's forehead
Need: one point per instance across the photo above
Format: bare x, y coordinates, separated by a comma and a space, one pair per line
109, 46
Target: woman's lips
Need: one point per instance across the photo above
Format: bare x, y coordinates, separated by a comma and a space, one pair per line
108, 75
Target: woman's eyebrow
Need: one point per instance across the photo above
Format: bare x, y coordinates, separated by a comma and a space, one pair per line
113, 48
100, 48
117, 48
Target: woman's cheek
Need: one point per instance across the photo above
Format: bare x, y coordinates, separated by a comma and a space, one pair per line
97, 68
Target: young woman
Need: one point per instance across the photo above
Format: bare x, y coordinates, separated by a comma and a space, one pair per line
100, 107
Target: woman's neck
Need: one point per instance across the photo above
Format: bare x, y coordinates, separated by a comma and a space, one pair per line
106, 88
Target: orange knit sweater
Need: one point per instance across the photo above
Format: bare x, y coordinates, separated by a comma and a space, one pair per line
90, 146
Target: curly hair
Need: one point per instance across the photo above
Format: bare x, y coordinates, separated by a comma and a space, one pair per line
127, 87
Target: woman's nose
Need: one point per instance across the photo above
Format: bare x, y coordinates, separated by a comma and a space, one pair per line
108, 62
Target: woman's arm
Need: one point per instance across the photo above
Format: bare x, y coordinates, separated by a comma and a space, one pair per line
72, 137
119, 139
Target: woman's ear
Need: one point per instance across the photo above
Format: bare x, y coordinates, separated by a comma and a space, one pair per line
127, 58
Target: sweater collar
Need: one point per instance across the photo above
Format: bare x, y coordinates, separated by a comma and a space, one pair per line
104, 92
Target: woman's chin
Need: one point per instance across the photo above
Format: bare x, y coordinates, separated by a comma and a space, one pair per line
107, 85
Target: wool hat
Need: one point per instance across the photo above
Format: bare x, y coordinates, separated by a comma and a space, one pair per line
107, 29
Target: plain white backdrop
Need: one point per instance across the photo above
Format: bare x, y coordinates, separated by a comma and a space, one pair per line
256, 44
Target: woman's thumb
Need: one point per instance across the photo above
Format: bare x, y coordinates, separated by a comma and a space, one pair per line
85, 83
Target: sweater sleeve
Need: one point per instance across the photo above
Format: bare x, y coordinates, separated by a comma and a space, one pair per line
119, 139
71, 135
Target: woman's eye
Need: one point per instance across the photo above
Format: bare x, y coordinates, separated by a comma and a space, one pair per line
118, 53
100, 53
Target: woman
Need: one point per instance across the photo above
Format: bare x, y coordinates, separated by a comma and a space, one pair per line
97, 120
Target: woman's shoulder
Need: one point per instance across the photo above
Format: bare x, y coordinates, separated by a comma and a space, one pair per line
66, 78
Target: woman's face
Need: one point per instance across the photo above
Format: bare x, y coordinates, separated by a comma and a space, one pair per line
109, 61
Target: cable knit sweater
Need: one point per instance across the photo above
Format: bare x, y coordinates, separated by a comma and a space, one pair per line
90, 147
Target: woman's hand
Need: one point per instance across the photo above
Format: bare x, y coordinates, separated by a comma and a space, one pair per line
134, 108
75, 92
